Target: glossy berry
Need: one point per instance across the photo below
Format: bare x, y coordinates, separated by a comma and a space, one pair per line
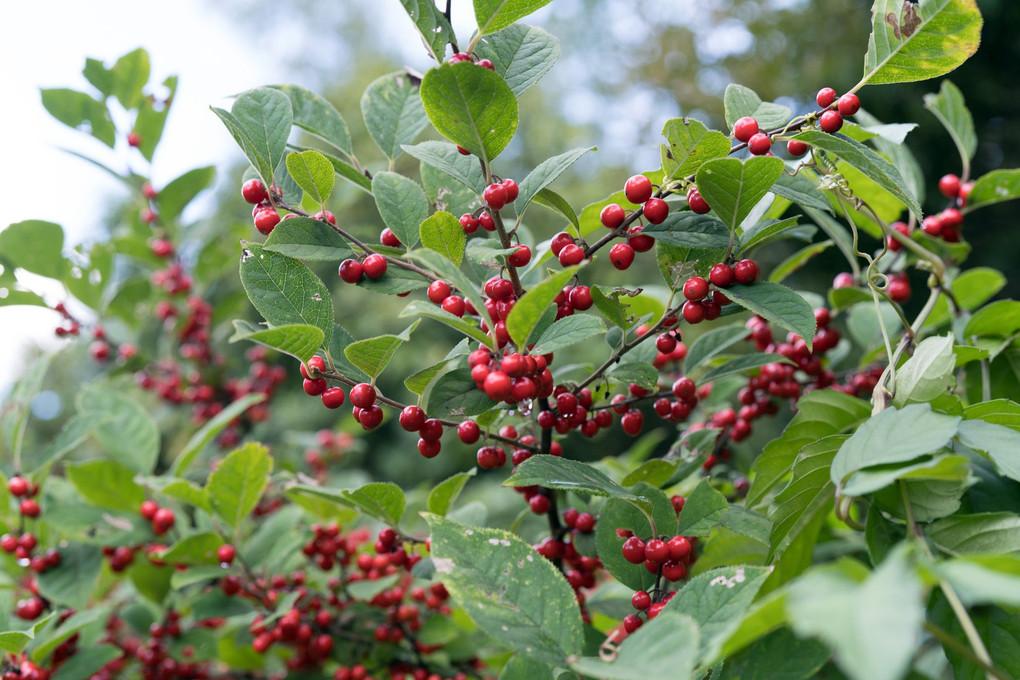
632, 422
631, 622
520, 257
266, 220
641, 600
333, 397
641, 243
495, 196
486, 63
459, 57
18, 486
745, 271
134, 139
363, 395
721, 275
226, 553
254, 191
371, 417
163, 521
512, 190
634, 550
621, 255
454, 305
655, 210
486, 221
796, 148
830, 121
745, 128
388, 238
148, 509
468, 432
825, 97
695, 288
843, 280
759, 144
559, 242
679, 548
697, 204
585, 522
539, 504
350, 271
469, 223
693, 312
665, 343
638, 189
949, 186
374, 266
431, 430
612, 216
438, 291
848, 104
573, 254
429, 449
315, 366
656, 550
412, 418
899, 288
313, 387
29, 508
580, 298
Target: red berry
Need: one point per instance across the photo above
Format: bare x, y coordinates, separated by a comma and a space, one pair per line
825, 97
486, 63
539, 504
634, 550
631, 422
656, 550
848, 104
674, 571
429, 449
388, 238
796, 148
486, 221
655, 210
226, 553
134, 139
665, 343
374, 266
843, 280
254, 191
431, 430
559, 242
759, 144
697, 204
745, 271
949, 186
899, 288
371, 417
585, 523
830, 122
461, 150
580, 298
638, 189
333, 397
574, 254
621, 255
641, 243
8, 543
745, 128
438, 291
469, 223
18, 486
497, 385
495, 196
721, 275
454, 305
266, 220
350, 271
315, 366
641, 600
458, 57
631, 622
520, 257
148, 509
412, 418
612, 216
679, 548
313, 387
162, 521
693, 312
327, 216
363, 395
512, 190
29, 508
468, 431
695, 288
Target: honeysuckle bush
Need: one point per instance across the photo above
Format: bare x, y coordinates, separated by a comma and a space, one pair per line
874, 538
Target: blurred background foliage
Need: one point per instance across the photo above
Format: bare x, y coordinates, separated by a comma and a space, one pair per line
626, 67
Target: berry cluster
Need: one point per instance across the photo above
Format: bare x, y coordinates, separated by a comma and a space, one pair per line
701, 306
667, 557
581, 570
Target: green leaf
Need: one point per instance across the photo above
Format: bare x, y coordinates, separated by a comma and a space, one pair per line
507, 588
196, 549
740, 101
994, 187
525, 315
432, 25
1001, 318
35, 246
690, 230
568, 331
444, 157
548, 198
108, 484
455, 395
711, 343
402, 205
808, 495
284, 291
544, 174
150, 121
797, 260
72, 581
393, 113
14, 414
317, 116
298, 340
701, 510
13, 641
571, 475
129, 75
990, 533
523, 668
819, 414
128, 433
801, 190
303, 238
71, 436
521, 54
740, 364
422, 308
948, 106
665, 647
313, 173
999, 443
690, 144
716, 600
780, 655
984, 579
86, 661
494, 15
395, 281
472, 107
777, 304
894, 436
266, 118
940, 468
82, 112
911, 42
208, 432
348, 172
235, 486
927, 374
176, 195
373, 354
997, 627
617, 513
382, 500
971, 289
444, 494
873, 626
635, 372
442, 233
733, 186
865, 160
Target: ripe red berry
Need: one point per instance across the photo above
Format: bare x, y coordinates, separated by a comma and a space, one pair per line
674, 571
693, 312
621, 255
469, 223
226, 553
899, 288
9, 543
462, 151
901, 227
539, 504
572, 254
631, 422
580, 298
721, 275
520, 257
363, 395
438, 291
497, 385
266, 220
495, 196
454, 305
148, 509
388, 238
848, 104
512, 190
431, 430
429, 449
638, 189
163, 521
371, 417
486, 221
655, 210
254, 191
18, 486
585, 522
745, 128
697, 204
315, 366
665, 343
412, 418
932, 225
695, 288
745, 271
134, 139
459, 57
949, 186
350, 271
313, 387
374, 266
679, 548
825, 97
641, 600
759, 144
843, 280
830, 121
796, 148
333, 397
486, 63
631, 622
641, 243
612, 216
29, 508
468, 431
634, 550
